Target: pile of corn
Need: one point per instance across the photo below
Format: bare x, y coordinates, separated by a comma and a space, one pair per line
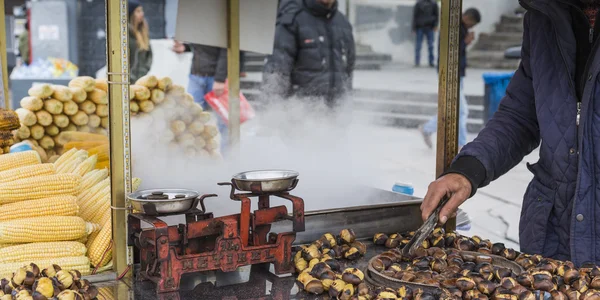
52, 109
8, 121
187, 127
39, 214
94, 144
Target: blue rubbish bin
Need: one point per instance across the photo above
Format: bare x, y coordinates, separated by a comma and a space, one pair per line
495, 89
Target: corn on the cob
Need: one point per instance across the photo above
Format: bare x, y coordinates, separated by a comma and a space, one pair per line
164, 83
45, 229
47, 142
134, 106
62, 93
101, 151
92, 178
70, 108
135, 183
94, 208
19, 159
146, 106
79, 95
106, 293
84, 128
85, 82
53, 158
70, 167
53, 206
79, 263
88, 107
85, 196
52, 130
32, 103
6, 139
104, 122
80, 118
41, 90
81, 137
44, 118
33, 251
26, 117
53, 106
99, 246
158, 96
39, 187
94, 121
37, 132
23, 132
141, 92
86, 166
149, 81
9, 120
102, 110
85, 145
102, 84
65, 157
26, 172
98, 96
41, 152
103, 165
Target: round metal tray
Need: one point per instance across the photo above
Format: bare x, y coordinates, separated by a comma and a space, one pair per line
266, 181
171, 201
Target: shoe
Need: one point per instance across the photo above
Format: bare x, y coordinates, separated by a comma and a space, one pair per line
426, 137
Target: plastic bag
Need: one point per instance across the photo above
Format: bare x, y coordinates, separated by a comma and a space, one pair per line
221, 106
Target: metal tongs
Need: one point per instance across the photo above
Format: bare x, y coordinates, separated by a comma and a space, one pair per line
424, 231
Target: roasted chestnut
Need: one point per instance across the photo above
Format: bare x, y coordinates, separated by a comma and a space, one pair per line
51, 271
573, 294
484, 250
525, 279
438, 241
352, 254
405, 292
424, 296
380, 238
536, 258
580, 285
543, 285
450, 237
464, 244
547, 265
527, 295
333, 264
476, 239
45, 287
556, 295
439, 265
571, 276
347, 236
483, 259
465, 283
314, 286
472, 295
396, 268
327, 284
336, 288
310, 253
509, 253
500, 273
392, 243
517, 290
19, 277
487, 287
508, 283
353, 276
595, 283
485, 244
378, 265
387, 295
347, 292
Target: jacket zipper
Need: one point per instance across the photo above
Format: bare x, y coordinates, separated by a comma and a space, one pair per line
331, 63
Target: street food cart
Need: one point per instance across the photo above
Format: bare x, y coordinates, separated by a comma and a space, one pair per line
253, 254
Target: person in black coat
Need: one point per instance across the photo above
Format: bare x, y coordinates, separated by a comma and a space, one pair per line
424, 24
314, 52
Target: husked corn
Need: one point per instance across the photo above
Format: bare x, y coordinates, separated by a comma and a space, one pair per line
36, 251
53, 206
86, 166
26, 172
95, 207
79, 263
99, 245
65, 157
85, 145
85, 196
101, 151
92, 178
19, 159
45, 229
39, 187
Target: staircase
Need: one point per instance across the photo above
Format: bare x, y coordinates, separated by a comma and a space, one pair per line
488, 51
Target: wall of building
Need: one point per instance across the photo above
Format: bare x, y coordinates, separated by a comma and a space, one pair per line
385, 25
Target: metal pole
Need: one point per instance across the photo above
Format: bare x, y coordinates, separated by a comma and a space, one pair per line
233, 72
3, 42
117, 55
449, 89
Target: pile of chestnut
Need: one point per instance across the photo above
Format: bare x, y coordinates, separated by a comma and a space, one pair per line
442, 261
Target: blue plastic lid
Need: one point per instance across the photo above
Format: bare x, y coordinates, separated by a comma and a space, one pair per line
493, 77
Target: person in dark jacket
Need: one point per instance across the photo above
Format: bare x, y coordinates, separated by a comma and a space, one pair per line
552, 102
470, 18
140, 52
314, 52
425, 24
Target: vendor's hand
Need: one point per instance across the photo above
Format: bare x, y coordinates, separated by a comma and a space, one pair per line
455, 186
219, 88
178, 47
470, 38
435, 29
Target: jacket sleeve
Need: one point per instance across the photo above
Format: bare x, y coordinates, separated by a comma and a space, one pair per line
512, 133
279, 66
221, 73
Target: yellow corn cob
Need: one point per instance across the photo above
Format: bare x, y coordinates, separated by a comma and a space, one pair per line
44, 229
106, 293
85, 82
102, 84
102, 165
90, 207
98, 96
92, 178
39, 187
84, 196
33, 251
32, 103
41, 90
74, 160
99, 212
101, 151
62, 93
99, 246
86, 166
2, 246
135, 183
86, 145
9, 120
79, 263
65, 158
53, 206
26, 172
74, 136
19, 159
107, 267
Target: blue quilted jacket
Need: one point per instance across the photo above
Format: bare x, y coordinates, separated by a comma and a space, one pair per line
558, 217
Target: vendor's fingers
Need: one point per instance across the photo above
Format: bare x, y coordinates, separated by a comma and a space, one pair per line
435, 193
457, 198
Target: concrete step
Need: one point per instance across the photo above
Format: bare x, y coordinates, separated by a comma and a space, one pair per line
258, 66
511, 19
360, 57
516, 37
408, 121
493, 44
484, 59
408, 107
509, 27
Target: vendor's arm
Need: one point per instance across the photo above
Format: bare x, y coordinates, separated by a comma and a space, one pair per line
512, 133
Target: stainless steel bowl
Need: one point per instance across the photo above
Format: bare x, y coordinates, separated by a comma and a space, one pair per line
266, 181
163, 201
